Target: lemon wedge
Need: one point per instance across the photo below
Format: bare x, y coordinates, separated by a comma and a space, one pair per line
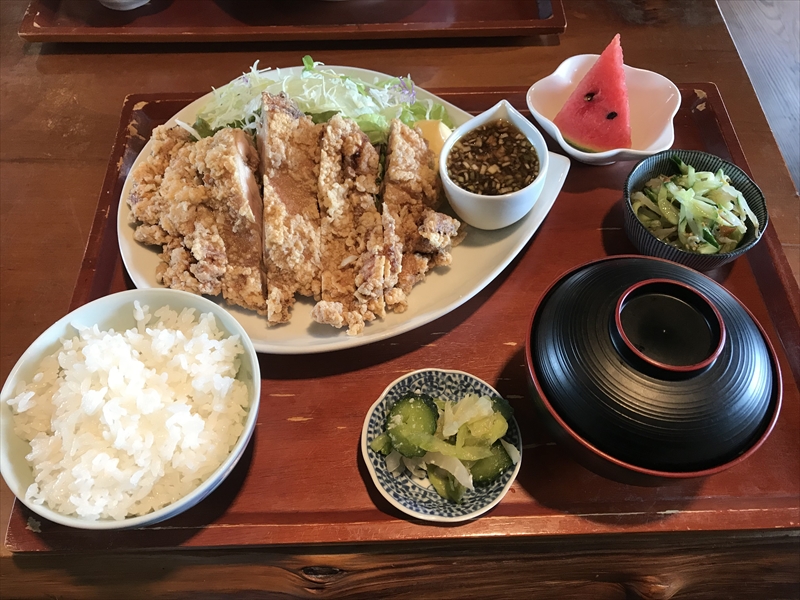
435, 133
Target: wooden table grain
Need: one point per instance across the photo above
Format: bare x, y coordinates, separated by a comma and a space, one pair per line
59, 111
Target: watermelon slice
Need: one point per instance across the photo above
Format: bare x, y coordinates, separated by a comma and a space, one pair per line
596, 116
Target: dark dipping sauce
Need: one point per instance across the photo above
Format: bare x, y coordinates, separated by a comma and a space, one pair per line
493, 159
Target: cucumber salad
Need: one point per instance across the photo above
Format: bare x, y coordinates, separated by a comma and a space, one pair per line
697, 211
453, 446
319, 92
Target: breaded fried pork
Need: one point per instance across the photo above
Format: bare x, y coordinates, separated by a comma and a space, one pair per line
288, 142
351, 233
423, 237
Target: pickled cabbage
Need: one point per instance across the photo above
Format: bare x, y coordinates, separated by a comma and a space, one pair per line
697, 211
465, 433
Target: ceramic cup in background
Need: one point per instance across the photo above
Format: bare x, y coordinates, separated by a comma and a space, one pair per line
123, 4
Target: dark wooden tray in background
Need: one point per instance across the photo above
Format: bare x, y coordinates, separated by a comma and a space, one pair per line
281, 20
302, 480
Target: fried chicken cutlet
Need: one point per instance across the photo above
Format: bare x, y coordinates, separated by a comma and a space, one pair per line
411, 190
145, 200
351, 233
168, 208
317, 231
200, 202
288, 142
227, 163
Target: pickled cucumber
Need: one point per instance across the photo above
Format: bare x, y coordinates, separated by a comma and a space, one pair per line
486, 470
445, 484
414, 413
502, 406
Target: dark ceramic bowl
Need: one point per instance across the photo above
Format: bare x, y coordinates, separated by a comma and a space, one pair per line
661, 164
649, 371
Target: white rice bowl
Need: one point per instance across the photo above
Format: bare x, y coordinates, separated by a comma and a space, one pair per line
103, 429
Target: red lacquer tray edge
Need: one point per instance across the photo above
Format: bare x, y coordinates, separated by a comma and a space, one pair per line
771, 264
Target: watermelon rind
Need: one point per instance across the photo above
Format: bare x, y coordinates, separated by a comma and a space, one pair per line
583, 148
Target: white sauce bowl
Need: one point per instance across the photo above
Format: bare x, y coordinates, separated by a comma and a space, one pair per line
495, 212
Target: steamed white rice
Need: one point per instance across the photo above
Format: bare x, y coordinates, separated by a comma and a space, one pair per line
122, 424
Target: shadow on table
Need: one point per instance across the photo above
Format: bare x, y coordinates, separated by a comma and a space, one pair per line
299, 48
555, 480
615, 240
558, 482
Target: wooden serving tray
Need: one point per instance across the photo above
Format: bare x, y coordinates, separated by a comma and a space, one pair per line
279, 20
303, 481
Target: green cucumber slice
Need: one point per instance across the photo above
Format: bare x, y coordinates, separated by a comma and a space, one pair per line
381, 444
502, 406
486, 470
414, 413
445, 484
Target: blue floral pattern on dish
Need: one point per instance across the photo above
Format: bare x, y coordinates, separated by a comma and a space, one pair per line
404, 492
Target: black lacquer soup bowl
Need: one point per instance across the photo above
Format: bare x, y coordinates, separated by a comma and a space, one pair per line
649, 371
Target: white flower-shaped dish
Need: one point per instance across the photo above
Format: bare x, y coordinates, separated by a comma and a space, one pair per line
403, 492
654, 101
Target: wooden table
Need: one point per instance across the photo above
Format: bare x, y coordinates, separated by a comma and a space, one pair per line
60, 111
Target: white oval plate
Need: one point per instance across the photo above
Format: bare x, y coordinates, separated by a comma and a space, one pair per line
403, 492
476, 262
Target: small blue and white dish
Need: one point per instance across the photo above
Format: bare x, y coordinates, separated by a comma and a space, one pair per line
403, 492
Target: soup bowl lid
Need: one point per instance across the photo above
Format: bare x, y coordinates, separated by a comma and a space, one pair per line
654, 365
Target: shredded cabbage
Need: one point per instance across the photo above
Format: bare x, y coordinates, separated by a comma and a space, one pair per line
512, 451
471, 408
394, 463
698, 211
320, 93
415, 466
452, 465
